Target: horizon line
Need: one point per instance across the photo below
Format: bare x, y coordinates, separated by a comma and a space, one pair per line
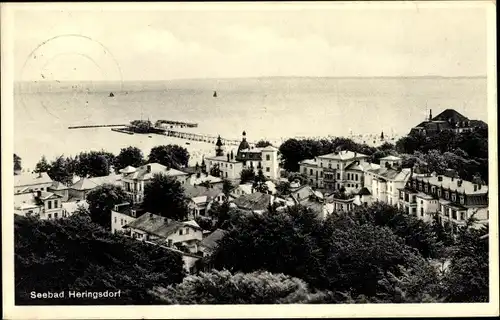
265, 77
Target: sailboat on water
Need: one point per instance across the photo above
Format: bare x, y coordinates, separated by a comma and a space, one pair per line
111, 94
215, 94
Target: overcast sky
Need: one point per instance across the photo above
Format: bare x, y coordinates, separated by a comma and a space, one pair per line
167, 44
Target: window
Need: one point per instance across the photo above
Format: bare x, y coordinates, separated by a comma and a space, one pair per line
421, 212
55, 215
433, 189
338, 166
230, 166
49, 204
462, 200
311, 172
268, 157
356, 185
356, 177
446, 194
439, 192
121, 222
414, 211
116, 219
226, 174
453, 197
180, 232
426, 189
268, 169
187, 230
56, 204
338, 176
321, 164
49, 216
329, 165
321, 174
305, 170
454, 214
421, 201
348, 176
170, 242
462, 215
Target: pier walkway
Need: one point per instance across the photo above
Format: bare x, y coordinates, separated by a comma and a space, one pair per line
98, 126
200, 137
181, 124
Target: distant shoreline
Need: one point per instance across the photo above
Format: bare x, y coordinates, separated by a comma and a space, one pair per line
257, 78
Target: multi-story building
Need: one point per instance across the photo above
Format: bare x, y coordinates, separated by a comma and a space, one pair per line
201, 199
334, 170
123, 214
385, 181
41, 204
134, 179
449, 119
231, 164
80, 189
453, 200
31, 182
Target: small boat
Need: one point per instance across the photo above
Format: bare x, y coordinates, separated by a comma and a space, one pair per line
111, 94
215, 94
150, 136
188, 143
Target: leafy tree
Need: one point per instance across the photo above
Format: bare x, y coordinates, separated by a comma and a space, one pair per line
247, 175
227, 187
301, 177
76, 254
259, 182
215, 171
60, 170
222, 287
42, 165
283, 188
263, 144
130, 156
94, 164
172, 156
102, 200
467, 279
205, 223
221, 213
164, 196
17, 163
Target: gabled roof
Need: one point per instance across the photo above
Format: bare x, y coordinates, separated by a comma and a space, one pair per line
128, 169
365, 166
391, 158
47, 195
141, 173
392, 174
447, 182
254, 201
29, 179
210, 241
199, 191
450, 114
157, 225
91, 183
364, 192
343, 155
56, 185
269, 148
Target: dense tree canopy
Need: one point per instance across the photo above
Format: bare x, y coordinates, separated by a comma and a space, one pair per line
61, 170
94, 164
263, 144
172, 156
42, 165
102, 200
247, 175
130, 156
76, 254
164, 196
222, 287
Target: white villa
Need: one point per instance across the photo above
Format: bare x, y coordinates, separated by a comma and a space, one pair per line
231, 164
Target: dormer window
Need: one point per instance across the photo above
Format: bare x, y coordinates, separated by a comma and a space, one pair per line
462, 200
446, 195
453, 197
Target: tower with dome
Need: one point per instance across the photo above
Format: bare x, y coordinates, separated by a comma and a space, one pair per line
246, 156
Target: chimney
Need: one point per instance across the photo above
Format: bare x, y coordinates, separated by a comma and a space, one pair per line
452, 178
38, 194
148, 168
479, 187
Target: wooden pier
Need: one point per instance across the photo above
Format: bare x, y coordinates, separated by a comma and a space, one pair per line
122, 130
200, 137
98, 126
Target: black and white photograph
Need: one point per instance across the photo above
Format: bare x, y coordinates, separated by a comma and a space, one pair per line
273, 156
